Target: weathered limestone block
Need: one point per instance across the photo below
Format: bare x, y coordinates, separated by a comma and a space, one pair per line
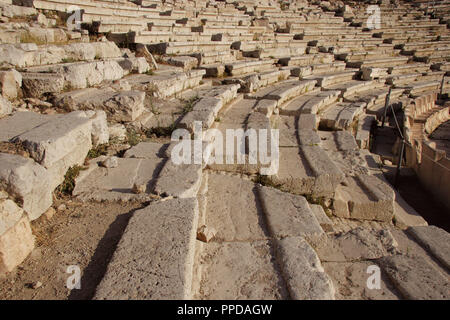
204, 111
369, 73
364, 197
133, 177
134, 65
20, 122
308, 137
289, 215
226, 93
302, 270
105, 50
145, 150
52, 141
5, 107
209, 104
213, 70
361, 243
345, 141
59, 144
185, 62
415, 278
37, 84
8, 84
179, 180
100, 132
324, 221
239, 270
119, 106
26, 181
47, 35
232, 209
82, 75
20, 55
266, 107
155, 257
16, 238
81, 51
308, 122
435, 240
11, 11
341, 115
290, 89
350, 281
309, 171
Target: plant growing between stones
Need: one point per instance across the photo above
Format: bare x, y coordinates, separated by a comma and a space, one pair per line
189, 104
67, 186
98, 151
133, 137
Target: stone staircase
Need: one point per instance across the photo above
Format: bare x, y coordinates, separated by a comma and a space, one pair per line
105, 101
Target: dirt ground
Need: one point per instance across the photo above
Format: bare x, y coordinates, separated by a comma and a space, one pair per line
85, 234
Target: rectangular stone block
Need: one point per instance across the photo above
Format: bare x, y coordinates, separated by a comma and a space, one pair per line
155, 257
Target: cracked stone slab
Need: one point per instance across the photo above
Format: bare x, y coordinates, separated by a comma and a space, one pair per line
154, 258
302, 270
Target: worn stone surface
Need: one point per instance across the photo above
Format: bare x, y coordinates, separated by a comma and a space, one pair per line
16, 238
434, 240
239, 271
288, 215
116, 183
179, 180
364, 197
302, 270
358, 244
233, 210
28, 181
21, 122
309, 171
146, 150
154, 258
350, 281
100, 132
38, 84
120, 106
322, 218
59, 144
8, 84
5, 107
415, 278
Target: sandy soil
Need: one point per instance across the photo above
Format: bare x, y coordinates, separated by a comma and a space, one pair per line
85, 234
